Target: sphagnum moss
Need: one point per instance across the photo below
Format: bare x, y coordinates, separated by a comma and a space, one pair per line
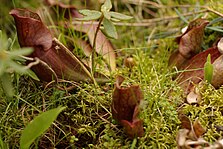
209, 112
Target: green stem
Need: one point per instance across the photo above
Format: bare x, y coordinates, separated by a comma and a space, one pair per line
94, 45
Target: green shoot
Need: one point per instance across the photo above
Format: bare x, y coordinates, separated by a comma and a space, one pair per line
105, 17
208, 69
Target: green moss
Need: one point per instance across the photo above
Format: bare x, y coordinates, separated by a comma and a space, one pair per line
209, 112
87, 121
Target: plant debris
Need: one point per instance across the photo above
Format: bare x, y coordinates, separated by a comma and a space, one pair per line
190, 132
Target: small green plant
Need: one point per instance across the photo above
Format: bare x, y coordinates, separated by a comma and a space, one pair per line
105, 17
40, 124
2, 144
9, 62
208, 69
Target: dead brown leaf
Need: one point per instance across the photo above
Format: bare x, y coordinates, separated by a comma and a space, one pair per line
194, 96
185, 121
181, 138
195, 127
198, 128
200, 143
190, 134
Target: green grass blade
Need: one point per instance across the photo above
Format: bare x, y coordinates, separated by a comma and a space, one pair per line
37, 127
215, 28
2, 144
30, 73
217, 20
181, 16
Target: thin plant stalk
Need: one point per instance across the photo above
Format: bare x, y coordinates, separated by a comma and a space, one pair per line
94, 45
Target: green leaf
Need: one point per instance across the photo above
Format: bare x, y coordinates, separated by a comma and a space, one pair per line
87, 12
37, 127
2, 67
105, 8
20, 52
107, 15
17, 67
0, 34
30, 73
89, 15
208, 69
120, 16
114, 20
110, 29
107, 5
5, 79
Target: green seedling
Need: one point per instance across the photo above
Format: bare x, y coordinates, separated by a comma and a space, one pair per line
208, 69
105, 17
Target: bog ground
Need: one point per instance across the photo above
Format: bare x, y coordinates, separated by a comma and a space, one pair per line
125, 74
